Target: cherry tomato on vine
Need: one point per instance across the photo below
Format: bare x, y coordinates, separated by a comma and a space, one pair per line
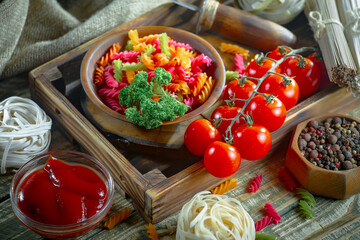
257, 70
306, 74
221, 159
226, 112
324, 81
236, 89
253, 142
285, 90
199, 135
279, 53
270, 115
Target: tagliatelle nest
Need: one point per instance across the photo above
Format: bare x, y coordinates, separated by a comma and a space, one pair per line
24, 131
210, 216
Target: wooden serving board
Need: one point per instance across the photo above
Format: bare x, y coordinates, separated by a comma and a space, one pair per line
159, 180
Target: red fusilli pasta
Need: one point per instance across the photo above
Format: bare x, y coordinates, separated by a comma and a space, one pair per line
255, 183
270, 211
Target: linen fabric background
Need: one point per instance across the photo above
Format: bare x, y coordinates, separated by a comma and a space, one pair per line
33, 32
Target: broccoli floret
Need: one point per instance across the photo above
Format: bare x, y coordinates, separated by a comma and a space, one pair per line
143, 110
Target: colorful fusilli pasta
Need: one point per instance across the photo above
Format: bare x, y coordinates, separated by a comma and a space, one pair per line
151, 231
117, 218
225, 186
116, 69
255, 183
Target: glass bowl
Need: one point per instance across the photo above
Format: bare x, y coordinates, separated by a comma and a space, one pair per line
216, 70
70, 230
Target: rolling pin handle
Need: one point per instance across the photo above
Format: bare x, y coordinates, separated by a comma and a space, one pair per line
243, 27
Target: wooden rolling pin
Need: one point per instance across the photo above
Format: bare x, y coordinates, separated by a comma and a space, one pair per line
241, 26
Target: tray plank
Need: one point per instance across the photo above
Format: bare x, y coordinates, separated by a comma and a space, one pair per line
156, 186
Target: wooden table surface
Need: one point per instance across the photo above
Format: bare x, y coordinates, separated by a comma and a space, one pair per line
334, 219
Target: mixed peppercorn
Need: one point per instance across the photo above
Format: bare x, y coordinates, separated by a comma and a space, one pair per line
331, 144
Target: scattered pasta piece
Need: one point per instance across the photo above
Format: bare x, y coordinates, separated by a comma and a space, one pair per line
305, 210
211, 216
234, 49
262, 223
117, 218
287, 179
225, 186
306, 196
152, 232
264, 236
239, 64
255, 184
270, 211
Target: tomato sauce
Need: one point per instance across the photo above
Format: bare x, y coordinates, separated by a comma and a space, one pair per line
61, 193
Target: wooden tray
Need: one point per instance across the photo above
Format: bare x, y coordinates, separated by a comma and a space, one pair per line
159, 180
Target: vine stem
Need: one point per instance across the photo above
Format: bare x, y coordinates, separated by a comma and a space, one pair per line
293, 52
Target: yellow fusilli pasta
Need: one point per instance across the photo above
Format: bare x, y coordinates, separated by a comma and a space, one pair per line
149, 39
206, 90
99, 76
199, 84
134, 37
234, 49
117, 218
148, 62
161, 59
130, 75
224, 187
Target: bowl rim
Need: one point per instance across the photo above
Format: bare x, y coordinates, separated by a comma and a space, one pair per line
295, 144
68, 228
85, 75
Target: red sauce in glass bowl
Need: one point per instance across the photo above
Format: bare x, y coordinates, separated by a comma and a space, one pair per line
61, 193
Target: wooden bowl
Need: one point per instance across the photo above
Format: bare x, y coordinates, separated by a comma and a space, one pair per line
216, 70
319, 181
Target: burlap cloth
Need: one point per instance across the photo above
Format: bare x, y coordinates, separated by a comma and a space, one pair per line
33, 32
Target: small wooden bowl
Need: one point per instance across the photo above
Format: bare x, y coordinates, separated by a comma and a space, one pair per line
319, 181
216, 70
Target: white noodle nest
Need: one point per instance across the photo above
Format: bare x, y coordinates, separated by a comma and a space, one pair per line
24, 131
279, 11
210, 217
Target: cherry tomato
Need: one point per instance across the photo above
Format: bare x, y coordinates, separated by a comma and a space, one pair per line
287, 91
270, 115
257, 70
221, 159
199, 135
307, 77
277, 54
324, 81
236, 90
226, 112
253, 142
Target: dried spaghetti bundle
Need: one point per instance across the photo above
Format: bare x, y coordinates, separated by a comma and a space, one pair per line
328, 30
